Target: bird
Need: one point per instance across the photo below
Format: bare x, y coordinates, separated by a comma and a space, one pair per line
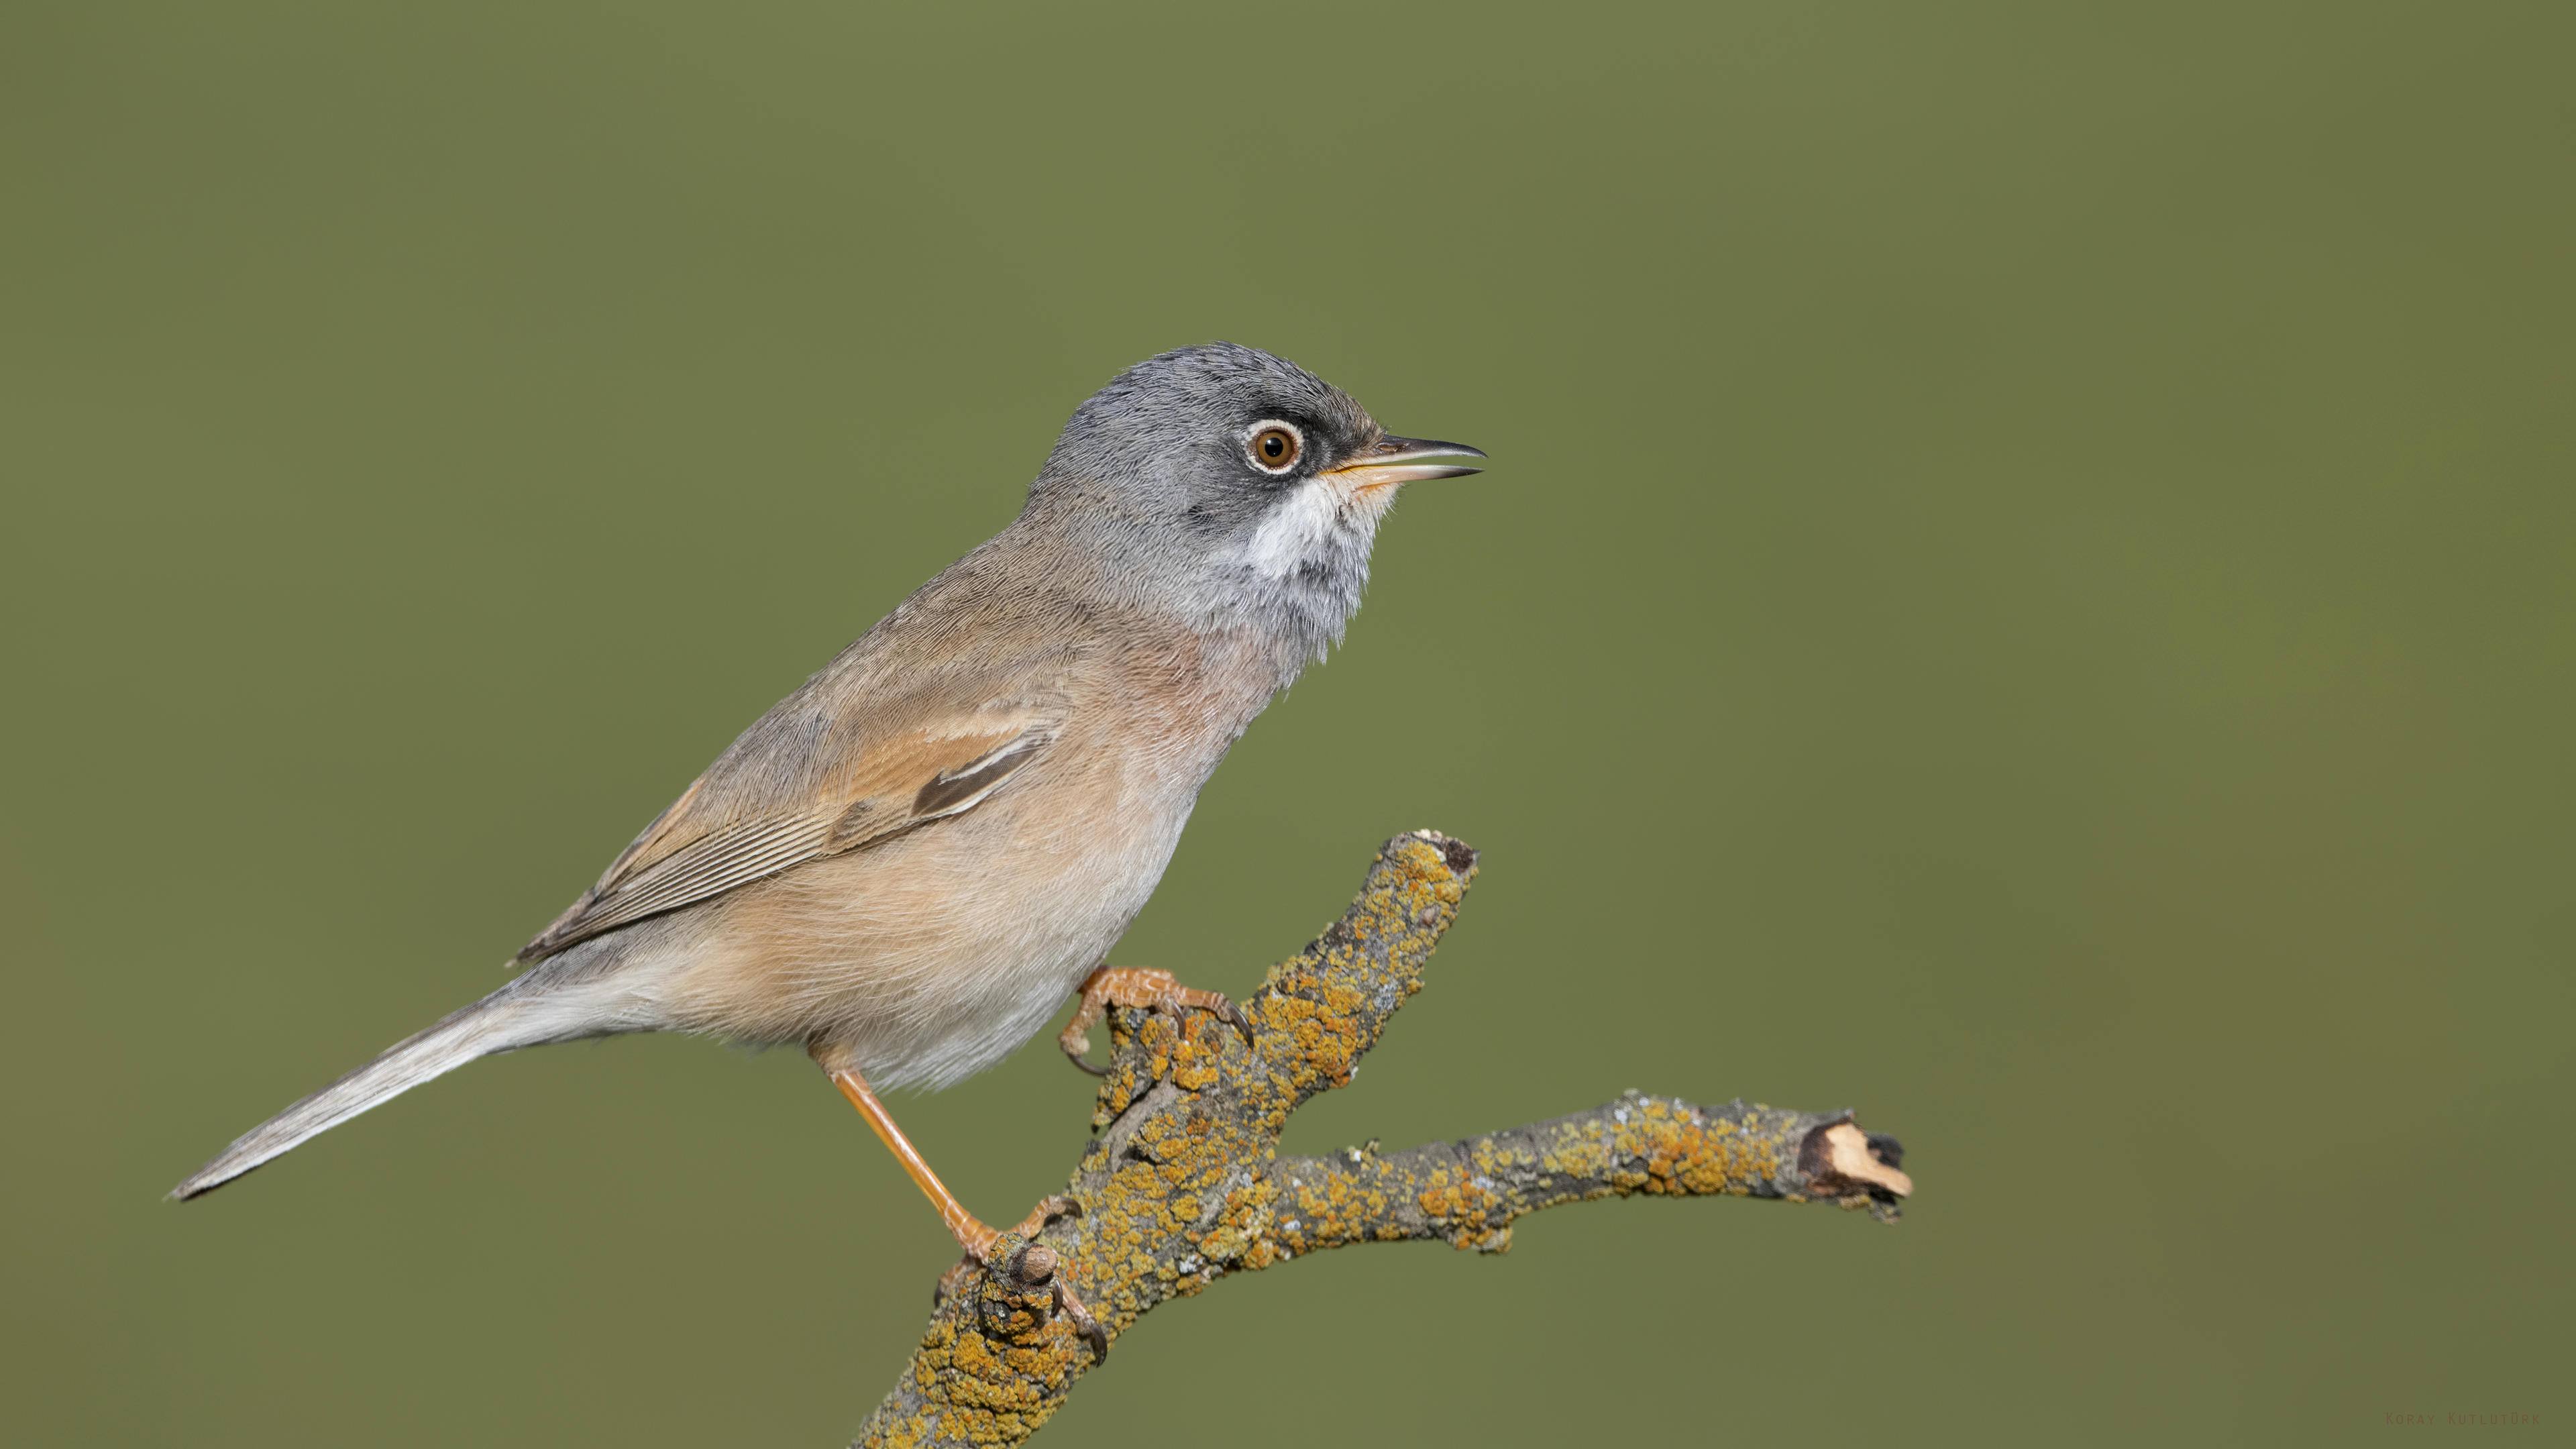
908, 864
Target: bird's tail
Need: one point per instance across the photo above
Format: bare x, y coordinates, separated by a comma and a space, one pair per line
488, 1026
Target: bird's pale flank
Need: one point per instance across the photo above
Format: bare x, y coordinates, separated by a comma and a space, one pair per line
905, 865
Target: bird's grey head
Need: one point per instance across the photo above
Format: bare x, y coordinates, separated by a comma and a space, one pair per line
1246, 489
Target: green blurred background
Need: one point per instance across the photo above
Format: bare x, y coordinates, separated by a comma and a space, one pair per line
2025, 588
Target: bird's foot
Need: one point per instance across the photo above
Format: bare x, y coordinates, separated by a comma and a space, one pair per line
1016, 1259
989, 1247
1139, 986
1025, 1266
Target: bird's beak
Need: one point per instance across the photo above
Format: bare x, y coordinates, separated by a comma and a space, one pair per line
1396, 460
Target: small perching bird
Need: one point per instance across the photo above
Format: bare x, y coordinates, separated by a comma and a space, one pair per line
907, 863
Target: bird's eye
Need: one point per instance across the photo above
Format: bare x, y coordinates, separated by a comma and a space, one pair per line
1274, 447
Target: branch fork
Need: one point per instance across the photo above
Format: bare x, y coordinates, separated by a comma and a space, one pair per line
1184, 1184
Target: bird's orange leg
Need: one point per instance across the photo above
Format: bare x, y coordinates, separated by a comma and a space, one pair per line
1139, 986
1032, 1267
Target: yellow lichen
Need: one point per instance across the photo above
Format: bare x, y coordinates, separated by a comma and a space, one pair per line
1196, 1189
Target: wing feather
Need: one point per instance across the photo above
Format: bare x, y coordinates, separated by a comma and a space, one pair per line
697, 850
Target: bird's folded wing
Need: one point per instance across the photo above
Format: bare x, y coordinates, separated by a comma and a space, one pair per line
702, 846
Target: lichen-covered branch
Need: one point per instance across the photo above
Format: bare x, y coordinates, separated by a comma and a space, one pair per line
1466, 1193
1185, 1185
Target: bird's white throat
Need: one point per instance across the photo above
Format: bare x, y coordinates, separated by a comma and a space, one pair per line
1298, 575
1320, 525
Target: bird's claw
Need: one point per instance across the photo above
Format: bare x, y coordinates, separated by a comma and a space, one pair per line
1242, 1020
1083, 1323
1140, 986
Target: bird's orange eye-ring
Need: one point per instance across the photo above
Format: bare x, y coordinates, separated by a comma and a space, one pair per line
1274, 448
